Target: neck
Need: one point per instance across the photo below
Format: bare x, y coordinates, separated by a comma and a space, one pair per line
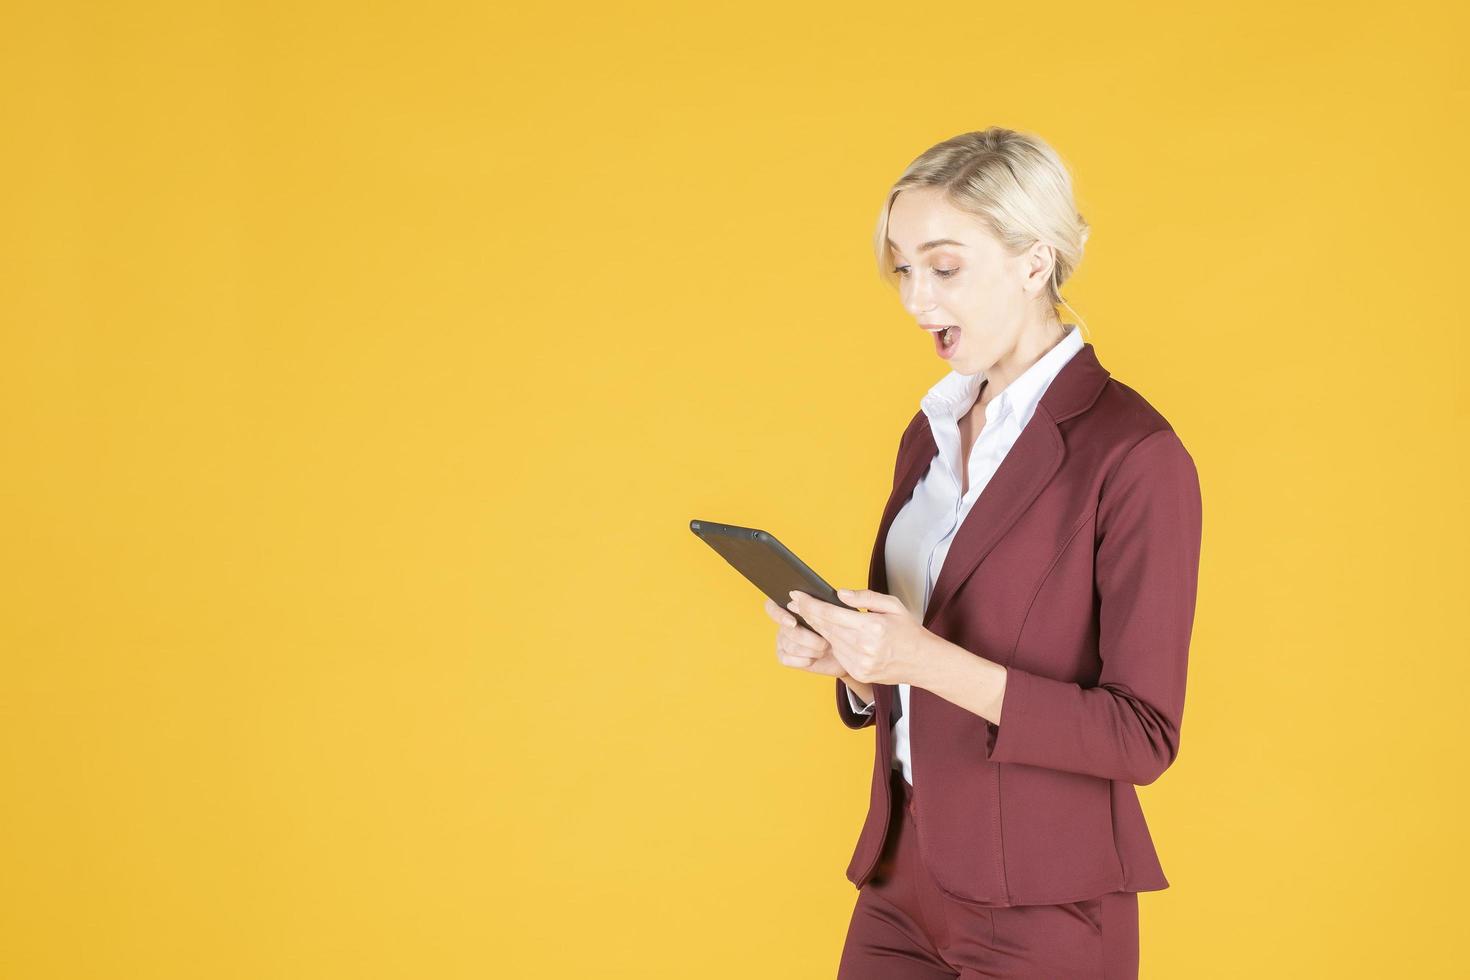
1035, 341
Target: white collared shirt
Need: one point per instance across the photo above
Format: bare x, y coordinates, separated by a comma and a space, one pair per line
922, 531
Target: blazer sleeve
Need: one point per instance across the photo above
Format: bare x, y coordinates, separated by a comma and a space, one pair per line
1146, 572
851, 718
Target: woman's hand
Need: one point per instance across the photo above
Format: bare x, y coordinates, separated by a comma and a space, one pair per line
797, 646
884, 645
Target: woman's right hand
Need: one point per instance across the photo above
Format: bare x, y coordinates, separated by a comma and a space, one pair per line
797, 646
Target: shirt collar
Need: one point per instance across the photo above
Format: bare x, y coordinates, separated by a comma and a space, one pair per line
954, 394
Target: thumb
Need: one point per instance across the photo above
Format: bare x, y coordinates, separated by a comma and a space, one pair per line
868, 599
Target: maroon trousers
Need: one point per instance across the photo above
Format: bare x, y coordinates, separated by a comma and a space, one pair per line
904, 928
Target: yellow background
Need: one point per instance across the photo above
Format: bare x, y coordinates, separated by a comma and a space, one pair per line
363, 366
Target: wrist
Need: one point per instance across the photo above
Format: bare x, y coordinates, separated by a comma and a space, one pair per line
860, 690
966, 679
932, 661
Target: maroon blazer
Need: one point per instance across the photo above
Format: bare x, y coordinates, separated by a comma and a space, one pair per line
1076, 569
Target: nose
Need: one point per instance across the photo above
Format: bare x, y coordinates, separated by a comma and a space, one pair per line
916, 298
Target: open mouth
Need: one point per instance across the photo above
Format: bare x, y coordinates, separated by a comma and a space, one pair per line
946, 339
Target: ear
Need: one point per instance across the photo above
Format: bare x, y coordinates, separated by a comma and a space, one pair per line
1041, 265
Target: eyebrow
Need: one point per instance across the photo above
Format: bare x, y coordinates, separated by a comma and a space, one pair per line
928, 245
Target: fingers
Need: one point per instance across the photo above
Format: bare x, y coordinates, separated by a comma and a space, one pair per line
794, 653
790, 657
803, 639
799, 647
868, 599
786, 619
825, 614
796, 646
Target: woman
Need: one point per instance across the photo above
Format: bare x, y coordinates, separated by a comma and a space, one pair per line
1025, 633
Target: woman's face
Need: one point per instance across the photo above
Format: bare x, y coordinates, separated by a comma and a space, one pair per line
963, 278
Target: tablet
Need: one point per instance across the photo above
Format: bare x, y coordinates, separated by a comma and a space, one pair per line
767, 563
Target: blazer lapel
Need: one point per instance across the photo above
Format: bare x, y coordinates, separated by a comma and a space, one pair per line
1026, 470
1022, 475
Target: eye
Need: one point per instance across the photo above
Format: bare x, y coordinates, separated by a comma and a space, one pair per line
902, 270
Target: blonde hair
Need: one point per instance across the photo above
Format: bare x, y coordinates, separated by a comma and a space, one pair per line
1015, 183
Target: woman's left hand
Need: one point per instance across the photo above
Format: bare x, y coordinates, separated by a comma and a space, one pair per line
881, 646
